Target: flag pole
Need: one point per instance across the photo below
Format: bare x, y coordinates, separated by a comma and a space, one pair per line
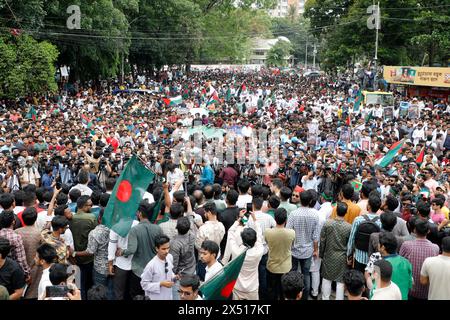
144, 164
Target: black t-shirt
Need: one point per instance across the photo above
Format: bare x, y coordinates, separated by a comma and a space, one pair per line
227, 217
11, 276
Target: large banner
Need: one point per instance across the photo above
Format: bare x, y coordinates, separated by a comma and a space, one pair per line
419, 76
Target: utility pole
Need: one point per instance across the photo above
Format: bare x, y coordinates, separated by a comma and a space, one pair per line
314, 57
121, 68
373, 22
375, 82
306, 55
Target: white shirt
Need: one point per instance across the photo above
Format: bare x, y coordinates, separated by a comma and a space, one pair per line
154, 273
265, 221
325, 211
391, 292
116, 241
213, 270
210, 230
243, 200
309, 184
148, 196
44, 283
84, 189
248, 280
437, 269
173, 178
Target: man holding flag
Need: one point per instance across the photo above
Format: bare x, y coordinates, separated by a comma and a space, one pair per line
120, 212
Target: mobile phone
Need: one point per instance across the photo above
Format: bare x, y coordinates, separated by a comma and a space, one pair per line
56, 291
249, 209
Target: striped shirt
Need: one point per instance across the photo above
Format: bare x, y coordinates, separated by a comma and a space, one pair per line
360, 256
305, 222
17, 249
416, 251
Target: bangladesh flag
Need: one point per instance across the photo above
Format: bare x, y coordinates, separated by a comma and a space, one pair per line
173, 101
228, 95
356, 185
358, 100
395, 149
128, 192
87, 123
32, 114
157, 209
222, 284
420, 157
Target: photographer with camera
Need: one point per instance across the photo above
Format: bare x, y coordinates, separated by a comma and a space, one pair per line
29, 174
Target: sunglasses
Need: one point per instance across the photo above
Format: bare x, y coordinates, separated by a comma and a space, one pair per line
166, 267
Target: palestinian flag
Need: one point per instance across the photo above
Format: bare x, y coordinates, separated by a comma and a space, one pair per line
127, 193
358, 100
369, 116
241, 88
395, 149
173, 101
356, 185
420, 157
213, 99
32, 114
87, 123
222, 284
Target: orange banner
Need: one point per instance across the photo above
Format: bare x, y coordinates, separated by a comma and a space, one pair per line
418, 76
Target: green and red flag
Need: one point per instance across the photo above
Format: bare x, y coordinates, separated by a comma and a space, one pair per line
32, 114
420, 157
173, 101
356, 185
241, 88
87, 123
213, 99
394, 151
126, 196
157, 210
222, 284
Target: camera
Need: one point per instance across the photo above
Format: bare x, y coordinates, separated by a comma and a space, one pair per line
102, 164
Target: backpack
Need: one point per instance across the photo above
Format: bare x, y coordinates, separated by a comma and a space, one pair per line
365, 229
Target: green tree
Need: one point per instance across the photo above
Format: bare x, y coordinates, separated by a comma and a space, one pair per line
349, 39
26, 65
433, 35
297, 32
279, 54
227, 35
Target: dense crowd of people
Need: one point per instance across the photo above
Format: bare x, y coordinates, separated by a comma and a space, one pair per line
319, 213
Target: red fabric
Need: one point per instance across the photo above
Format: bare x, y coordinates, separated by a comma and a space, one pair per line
173, 119
113, 142
19, 215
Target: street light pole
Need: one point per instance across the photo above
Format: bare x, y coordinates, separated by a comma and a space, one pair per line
377, 27
314, 57
306, 55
